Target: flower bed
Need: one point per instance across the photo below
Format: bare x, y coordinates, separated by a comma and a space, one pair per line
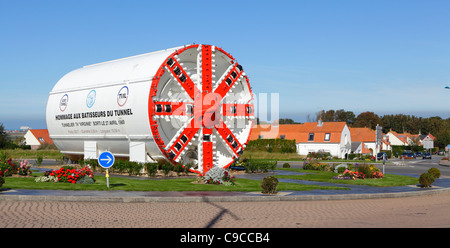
68, 174
353, 175
10, 168
218, 175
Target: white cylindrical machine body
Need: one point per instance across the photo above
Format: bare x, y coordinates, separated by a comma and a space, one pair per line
176, 104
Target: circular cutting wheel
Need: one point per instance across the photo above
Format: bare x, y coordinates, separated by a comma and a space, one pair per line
201, 108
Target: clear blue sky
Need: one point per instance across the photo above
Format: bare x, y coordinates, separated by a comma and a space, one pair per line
381, 56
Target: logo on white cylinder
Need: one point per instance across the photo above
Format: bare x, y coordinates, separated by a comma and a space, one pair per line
122, 96
90, 99
63, 102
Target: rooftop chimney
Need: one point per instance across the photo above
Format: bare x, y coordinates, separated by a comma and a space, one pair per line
320, 123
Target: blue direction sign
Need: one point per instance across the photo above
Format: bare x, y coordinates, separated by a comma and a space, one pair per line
106, 160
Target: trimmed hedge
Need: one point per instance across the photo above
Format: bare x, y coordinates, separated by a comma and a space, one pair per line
273, 145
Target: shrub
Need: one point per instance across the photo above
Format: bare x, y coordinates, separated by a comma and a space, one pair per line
269, 185
272, 145
92, 164
39, 159
133, 168
286, 165
2, 181
152, 168
86, 180
178, 168
426, 179
340, 168
166, 167
252, 166
313, 165
435, 172
187, 167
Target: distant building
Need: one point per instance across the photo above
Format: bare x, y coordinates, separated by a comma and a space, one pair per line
385, 143
427, 141
37, 137
363, 140
332, 137
407, 139
397, 139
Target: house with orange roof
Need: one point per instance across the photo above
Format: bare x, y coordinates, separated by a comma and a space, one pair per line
332, 137
37, 137
363, 140
404, 139
397, 139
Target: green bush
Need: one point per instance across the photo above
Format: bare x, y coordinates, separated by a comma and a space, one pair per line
252, 166
2, 181
435, 172
166, 167
152, 168
269, 185
178, 168
286, 165
426, 179
86, 180
341, 169
273, 145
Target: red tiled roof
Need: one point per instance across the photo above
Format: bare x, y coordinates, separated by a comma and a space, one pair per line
42, 133
362, 134
300, 132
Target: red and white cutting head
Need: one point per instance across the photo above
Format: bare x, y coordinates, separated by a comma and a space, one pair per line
201, 108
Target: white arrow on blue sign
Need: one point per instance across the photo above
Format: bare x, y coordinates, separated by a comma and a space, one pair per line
106, 159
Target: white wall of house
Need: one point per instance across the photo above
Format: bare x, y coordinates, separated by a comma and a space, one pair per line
30, 139
428, 143
385, 146
345, 146
335, 149
394, 140
305, 148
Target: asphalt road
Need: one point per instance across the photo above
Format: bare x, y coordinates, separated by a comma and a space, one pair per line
398, 166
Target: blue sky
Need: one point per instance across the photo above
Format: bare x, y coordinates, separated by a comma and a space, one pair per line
383, 56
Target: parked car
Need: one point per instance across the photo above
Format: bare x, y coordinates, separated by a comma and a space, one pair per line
408, 155
426, 155
380, 155
419, 154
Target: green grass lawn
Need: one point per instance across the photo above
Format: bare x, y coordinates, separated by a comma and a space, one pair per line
179, 184
18, 154
326, 176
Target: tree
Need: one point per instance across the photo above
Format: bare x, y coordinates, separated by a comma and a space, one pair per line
286, 121
367, 119
3, 137
336, 115
347, 116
